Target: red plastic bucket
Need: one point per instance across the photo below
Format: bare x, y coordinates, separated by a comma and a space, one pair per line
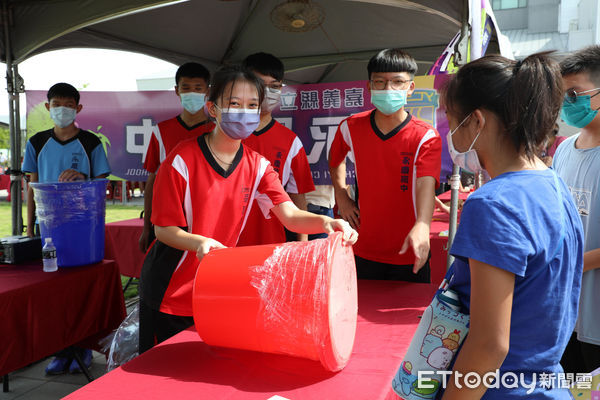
296, 298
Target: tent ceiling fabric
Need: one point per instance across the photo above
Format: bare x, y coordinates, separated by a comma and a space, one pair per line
37, 22
213, 31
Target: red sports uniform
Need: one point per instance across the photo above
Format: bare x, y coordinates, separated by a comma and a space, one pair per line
284, 150
387, 168
167, 136
194, 192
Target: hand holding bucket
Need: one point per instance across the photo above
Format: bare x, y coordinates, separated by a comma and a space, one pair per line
297, 298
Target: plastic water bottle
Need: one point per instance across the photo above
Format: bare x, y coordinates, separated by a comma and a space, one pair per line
49, 256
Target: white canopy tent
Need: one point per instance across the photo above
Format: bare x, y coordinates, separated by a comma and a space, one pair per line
343, 35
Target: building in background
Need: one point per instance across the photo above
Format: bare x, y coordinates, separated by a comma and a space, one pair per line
539, 25
160, 80
542, 25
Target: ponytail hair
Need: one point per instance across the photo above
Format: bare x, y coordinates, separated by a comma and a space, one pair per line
526, 96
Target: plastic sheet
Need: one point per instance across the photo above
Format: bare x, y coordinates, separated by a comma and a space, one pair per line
121, 346
297, 298
72, 214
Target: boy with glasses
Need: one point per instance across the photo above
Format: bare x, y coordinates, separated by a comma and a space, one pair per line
577, 161
281, 147
398, 162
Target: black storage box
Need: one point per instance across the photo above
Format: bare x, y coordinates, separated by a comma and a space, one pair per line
20, 249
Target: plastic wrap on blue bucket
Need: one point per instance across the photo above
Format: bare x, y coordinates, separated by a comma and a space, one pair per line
72, 214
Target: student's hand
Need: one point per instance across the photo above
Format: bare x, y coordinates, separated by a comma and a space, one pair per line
69, 175
30, 231
347, 208
206, 246
418, 240
143, 241
443, 208
339, 225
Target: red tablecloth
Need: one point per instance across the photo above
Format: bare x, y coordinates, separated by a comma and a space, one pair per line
4, 182
44, 312
184, 367
438, 246
447, 195
121, 245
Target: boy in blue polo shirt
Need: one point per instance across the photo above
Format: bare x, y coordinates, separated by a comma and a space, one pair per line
63, 153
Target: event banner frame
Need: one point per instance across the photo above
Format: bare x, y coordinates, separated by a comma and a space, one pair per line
124, 121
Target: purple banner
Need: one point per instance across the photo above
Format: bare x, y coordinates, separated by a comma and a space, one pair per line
124, 121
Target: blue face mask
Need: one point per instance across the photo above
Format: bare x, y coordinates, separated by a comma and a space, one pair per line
192, 101
388, 101
578, 113
238, 123
63, 116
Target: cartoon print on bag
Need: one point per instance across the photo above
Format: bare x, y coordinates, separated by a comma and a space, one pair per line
440, 358
427, 392
451, 342
404, 381
432, 340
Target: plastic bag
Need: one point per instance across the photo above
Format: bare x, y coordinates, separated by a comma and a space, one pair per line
122, 345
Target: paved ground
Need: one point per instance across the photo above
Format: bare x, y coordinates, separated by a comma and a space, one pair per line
32, 383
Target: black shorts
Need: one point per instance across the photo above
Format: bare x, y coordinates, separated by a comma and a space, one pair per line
156, 326
580, 357
368, 269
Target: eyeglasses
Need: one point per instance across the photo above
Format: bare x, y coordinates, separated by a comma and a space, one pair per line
395, 84
275, 85
571, 94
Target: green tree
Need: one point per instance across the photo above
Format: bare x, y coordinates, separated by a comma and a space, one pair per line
4, 138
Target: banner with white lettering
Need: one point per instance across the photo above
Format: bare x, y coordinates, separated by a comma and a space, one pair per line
124, 121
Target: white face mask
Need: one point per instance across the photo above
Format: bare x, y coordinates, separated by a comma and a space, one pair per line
467, 160
63, 116
272, 97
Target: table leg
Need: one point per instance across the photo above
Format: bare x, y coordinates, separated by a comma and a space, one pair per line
84, 369
5, 383
127, 284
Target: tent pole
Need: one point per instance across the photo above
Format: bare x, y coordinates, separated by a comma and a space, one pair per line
473, 8
461, 56
19, 88
15, 135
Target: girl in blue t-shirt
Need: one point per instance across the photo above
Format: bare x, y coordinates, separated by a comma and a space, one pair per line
519, 246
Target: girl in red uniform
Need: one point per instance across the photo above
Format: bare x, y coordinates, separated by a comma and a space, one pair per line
203, 193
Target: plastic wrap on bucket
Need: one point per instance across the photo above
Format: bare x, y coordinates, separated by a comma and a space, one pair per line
297, 298
72, 214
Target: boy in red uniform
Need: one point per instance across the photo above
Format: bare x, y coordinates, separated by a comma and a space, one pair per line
281, 147
205, 188
191, 85
398, 161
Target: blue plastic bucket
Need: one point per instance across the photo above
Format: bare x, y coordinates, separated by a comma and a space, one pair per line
72, 214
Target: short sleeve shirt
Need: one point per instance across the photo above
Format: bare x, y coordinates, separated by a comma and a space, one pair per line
194, 192
580, 169
387, 168
48, 156
167, 135
521, 223
282, 148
